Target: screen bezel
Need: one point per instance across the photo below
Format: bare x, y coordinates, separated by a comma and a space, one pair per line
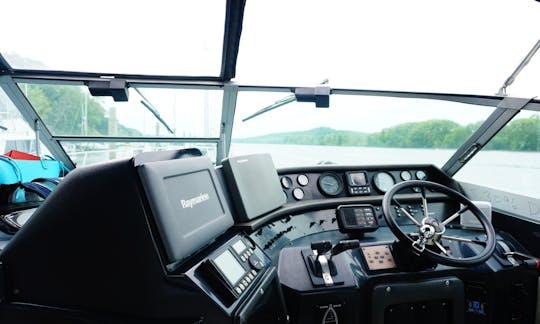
350, 178
341, 213
222, 273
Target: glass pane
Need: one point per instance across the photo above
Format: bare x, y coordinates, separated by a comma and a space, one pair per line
510, 160
71, 111
132, 37
354, 130
15, 133
459, 46
85, 153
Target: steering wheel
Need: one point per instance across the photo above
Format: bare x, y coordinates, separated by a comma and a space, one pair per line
427, 240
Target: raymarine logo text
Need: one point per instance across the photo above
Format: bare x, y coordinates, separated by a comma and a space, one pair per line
190, 203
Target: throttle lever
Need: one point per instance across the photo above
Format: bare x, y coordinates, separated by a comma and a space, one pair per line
321, 247
527, 261
344, 246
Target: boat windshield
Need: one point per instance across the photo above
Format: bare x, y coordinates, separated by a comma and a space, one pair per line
355, 129
408, 82
96, 129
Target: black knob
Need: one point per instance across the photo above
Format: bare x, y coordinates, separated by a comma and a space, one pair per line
255, 262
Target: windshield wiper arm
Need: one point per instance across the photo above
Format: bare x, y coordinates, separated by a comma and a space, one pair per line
153, 110
524, 62
3, 128
277, 104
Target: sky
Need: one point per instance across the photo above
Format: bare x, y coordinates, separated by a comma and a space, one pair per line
459, 46
139, 37
462, 46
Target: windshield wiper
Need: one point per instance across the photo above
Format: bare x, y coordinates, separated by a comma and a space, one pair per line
277, 104
153, 110
524, 62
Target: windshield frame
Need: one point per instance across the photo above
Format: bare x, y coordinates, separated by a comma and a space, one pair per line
495, 122
234, 16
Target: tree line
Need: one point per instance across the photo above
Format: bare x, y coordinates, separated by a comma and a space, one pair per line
519, 135
61, 109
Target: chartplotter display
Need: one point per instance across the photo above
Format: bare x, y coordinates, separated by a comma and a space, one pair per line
187, 203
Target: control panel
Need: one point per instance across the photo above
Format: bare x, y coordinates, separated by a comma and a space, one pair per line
337, 181
232, 269
378, 257
357, 219
358, 183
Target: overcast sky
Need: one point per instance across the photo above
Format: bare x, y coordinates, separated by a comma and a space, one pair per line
462, 46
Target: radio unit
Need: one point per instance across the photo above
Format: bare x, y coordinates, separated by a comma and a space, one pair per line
233, 268
356, 219
358, 183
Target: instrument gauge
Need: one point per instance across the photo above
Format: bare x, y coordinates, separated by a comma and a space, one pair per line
303, 180
421, 175
383, 181
286, 182
405, 175
298, 193
330, 184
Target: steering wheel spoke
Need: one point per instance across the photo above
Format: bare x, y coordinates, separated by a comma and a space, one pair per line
424, 202
439, 245
456, 215
464, 240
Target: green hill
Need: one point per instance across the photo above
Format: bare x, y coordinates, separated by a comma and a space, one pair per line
316, 136
519, 135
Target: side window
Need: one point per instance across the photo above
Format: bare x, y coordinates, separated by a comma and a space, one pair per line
15, 133
507, 171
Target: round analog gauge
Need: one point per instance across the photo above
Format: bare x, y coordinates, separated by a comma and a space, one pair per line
298, 193
405, 175
330, 184
286, 182
421, 175
383, 181
302, 180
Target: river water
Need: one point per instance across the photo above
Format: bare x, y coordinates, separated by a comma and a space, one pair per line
515, 172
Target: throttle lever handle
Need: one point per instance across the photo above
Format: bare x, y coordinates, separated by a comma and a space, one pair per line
321, 247
344, 246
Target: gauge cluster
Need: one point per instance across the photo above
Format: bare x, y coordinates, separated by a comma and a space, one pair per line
333, 182
330, 184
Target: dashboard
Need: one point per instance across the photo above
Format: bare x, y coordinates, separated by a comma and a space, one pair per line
348, 182
334, 204
318, 248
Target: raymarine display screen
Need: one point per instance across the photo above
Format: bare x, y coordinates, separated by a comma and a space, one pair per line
188, 205
195, 200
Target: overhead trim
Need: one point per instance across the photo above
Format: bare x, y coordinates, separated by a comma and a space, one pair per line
231, 38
